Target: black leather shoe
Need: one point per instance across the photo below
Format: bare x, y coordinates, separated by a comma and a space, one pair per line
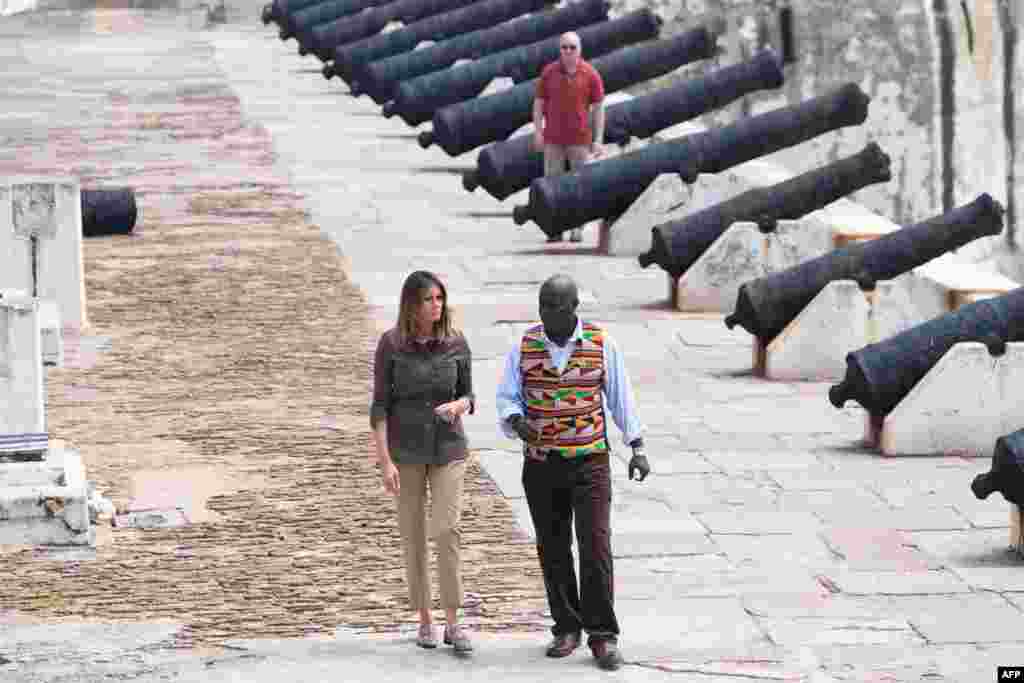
563, 645
607, 655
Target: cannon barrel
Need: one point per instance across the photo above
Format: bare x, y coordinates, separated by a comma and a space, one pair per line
298, 23
467, 125
437, 27
511, 165
323, 38
110, 211
676, 245
1006, 474
278, 9
764, 306
417, 99
607, 187
379, 79
878, 376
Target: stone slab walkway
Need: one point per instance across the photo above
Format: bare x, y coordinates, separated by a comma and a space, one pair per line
769, 544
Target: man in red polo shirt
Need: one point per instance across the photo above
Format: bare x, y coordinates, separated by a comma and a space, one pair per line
570, 93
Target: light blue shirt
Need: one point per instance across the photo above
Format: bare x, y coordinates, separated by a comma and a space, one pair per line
618, 393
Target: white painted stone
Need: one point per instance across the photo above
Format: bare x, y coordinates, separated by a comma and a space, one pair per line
49, 208
743, 253
9, 7
46, 503
424, 44
663, 200
843, 318
392, 26
50, 328
21, 368
499, 84
964, 403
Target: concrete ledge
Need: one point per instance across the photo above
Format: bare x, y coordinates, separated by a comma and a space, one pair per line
843, 317
22, 395
46, 502
965, 402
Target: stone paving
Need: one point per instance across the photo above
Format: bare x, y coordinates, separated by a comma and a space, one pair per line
768, 544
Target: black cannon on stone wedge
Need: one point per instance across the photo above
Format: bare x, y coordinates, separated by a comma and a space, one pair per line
108, 211
511, 165
1006, 474
676, 245
278, 9
302, 20
321, 39
380, 78
878, 376
765, 305
438, 27
606, 188
418, 99
465, 126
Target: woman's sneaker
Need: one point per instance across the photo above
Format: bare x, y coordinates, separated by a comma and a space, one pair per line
457, 637
425, 636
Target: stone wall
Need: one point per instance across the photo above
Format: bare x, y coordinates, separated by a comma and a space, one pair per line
945, 81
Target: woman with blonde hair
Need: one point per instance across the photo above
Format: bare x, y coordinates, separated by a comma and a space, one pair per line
422, 385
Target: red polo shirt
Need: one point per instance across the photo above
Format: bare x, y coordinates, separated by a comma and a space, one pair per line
567, 99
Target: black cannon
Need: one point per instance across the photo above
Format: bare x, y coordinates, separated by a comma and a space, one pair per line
417, 99
461, 127
606, 188
279, 9
379, 79
676, 245
298, 23
323, 38
109, 211
437, 27
511, 165
1007, 472
878, 376
765, 306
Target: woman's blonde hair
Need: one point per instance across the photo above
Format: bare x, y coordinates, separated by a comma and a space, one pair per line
412, 298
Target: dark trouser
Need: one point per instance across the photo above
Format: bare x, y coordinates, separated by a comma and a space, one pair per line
555, 490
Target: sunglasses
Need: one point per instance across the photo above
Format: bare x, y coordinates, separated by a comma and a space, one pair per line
568, 47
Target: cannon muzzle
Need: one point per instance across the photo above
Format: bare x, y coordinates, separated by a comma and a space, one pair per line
426, 138
1006, 474
328, 71
470, 180
267, 14
111, 211
521, 214
983, 486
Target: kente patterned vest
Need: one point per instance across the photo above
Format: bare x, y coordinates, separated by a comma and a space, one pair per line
566, 409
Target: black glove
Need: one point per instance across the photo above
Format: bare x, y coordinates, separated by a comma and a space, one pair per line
522, 428
638, 464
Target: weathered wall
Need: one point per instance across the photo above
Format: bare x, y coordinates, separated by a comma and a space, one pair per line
945, 77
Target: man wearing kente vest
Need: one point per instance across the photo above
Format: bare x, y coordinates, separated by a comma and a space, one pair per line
561, 381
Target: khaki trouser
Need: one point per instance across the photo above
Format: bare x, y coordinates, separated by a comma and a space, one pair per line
555, 157
446, 485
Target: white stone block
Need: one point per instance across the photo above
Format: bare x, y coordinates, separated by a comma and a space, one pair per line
50, 210
50, 328
423, 44
965, 402
744, 253
9, 7
499, 84
45, 502
21, 369
842, 318
664, 200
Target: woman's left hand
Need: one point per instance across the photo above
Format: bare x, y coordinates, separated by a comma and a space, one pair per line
451, 410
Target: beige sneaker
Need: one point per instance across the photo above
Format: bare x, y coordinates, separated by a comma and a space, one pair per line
425, 637
457, 637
